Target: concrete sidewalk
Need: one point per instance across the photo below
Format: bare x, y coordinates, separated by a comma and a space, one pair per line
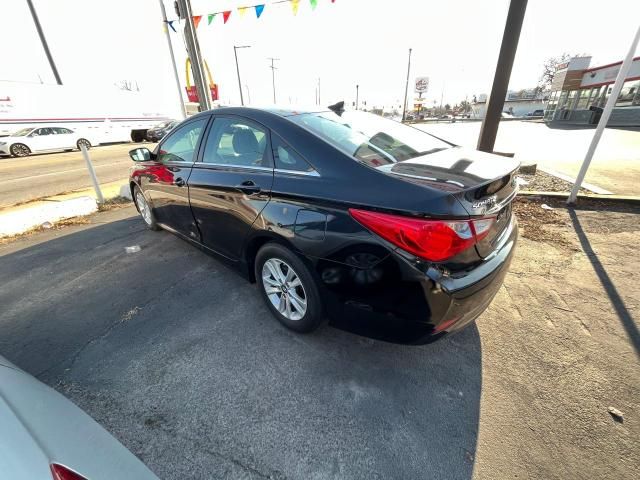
615, 166
22, 218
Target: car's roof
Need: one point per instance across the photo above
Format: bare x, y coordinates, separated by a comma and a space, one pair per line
282, 111
33, 127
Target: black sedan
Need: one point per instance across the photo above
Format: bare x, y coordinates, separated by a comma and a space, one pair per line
158, 132
375, 226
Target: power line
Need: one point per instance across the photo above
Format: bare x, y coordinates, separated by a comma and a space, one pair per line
273, 76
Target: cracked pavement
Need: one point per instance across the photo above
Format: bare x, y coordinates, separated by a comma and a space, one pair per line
177, 357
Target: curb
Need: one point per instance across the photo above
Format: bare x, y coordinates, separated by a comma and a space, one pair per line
20, 220
594, 196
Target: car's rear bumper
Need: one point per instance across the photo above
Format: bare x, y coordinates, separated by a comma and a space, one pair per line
416, 308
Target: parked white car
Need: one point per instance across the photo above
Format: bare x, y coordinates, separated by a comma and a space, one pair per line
41, 139
43, 436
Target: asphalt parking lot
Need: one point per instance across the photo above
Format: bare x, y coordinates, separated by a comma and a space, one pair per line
177, 357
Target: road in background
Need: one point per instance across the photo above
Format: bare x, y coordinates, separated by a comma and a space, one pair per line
615, 166
38, 176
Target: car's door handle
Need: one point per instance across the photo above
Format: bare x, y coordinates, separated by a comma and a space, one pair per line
179, 182
248, 187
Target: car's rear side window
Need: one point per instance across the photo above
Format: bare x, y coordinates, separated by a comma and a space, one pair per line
287, 158
369, 138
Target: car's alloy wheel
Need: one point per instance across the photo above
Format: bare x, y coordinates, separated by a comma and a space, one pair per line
284, 289
145, 209
20, 150
289, 288
85, 142
145, 212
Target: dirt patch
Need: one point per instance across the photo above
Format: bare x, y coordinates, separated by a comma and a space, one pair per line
113, 203
543, 182
541, 224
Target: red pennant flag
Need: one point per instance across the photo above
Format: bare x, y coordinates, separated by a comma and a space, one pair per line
196, 20
226, 15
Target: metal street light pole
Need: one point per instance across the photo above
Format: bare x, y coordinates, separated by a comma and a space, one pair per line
273, 76
235, 53
510, 37
406, 90
183, 110
606, 113
357, 90
43, 40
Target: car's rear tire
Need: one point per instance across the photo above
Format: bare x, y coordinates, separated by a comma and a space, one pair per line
83, 141
145, 210
20, 150
288, 288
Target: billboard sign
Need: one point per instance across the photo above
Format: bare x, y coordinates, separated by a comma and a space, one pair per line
422, 84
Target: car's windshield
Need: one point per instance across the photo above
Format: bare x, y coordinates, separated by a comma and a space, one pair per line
164, 124
22, 132
370, 138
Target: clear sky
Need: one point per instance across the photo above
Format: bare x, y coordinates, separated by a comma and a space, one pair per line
349, 42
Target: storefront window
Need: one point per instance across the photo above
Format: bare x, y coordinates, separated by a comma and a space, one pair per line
595, 97
584, 98
562, 99
628, 93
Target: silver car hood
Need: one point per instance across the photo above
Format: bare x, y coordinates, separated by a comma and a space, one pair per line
40, 427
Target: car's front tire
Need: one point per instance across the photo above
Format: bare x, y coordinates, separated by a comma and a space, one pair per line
145, 210
20, 150
288, 288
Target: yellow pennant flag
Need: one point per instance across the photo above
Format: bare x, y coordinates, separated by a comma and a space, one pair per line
242, 10
295, 4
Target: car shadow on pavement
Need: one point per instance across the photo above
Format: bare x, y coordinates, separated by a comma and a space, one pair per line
172, 352
623, 313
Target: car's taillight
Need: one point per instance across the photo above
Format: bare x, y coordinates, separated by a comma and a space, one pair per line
434, 240
60, 472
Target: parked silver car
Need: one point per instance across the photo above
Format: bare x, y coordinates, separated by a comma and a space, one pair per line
45, 436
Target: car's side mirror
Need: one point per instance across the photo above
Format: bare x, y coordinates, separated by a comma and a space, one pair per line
140, 154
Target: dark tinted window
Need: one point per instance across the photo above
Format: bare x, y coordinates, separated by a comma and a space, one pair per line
43, 131
239, 142
61, 131
370, 138
180, 145
287, 158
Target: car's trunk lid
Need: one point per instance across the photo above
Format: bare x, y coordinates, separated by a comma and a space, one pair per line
485, 184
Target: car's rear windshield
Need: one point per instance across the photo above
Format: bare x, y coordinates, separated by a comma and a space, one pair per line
369, 138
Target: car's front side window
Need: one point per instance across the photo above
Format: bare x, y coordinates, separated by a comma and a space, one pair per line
42, 131
181, 145
237, 142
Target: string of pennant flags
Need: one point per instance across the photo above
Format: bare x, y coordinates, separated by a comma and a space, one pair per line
242, 11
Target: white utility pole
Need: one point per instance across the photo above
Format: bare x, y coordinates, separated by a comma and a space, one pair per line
92, 173
183, 110
604, 119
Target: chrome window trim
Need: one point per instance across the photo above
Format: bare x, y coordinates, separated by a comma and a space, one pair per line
230, 165
311, 173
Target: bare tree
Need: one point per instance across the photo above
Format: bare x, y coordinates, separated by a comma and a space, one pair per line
549, 69
128, 85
